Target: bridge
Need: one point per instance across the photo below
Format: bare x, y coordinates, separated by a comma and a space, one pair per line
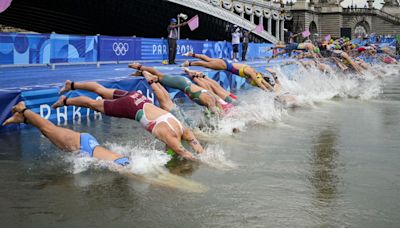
245, 13
146, 18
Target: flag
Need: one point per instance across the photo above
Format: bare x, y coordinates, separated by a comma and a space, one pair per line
194, 23
306, 33
327, 37
4, 4
259, 28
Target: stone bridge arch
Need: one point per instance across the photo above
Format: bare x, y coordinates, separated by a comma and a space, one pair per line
361, 24
313, 28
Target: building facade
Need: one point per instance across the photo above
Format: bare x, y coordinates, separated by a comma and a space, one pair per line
327, 17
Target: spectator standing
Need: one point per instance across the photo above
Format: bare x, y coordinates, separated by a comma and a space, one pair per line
172, 37
236, 35
245, 43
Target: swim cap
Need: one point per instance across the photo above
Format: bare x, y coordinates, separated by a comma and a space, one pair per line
388, 60
316, 50
170, 152
124, 161
173, 20
361, 49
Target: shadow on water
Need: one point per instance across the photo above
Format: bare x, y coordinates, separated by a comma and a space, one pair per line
181, 167
323, 174
10, 145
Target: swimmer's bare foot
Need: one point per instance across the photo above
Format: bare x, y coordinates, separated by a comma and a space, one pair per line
188, 54
188, 71
16, 118
134, 65
149, 77
60, 102
66, 88
138, 73
18, 107
186, 63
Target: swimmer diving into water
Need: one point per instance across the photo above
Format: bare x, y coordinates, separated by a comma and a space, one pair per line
65, 139
196, 93
133, 105
202, 80
242, 70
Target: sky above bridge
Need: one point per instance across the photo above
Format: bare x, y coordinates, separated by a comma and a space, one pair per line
359, 3
362, 3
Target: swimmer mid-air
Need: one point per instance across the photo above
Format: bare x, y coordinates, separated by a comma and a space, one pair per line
196, 93
242, 70
133, 105
202, 80
65, 139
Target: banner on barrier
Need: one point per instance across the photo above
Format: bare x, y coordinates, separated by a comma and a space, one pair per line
19, 48
116, 49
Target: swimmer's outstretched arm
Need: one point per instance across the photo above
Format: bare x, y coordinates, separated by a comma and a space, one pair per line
189, 137
260, 84
175, 145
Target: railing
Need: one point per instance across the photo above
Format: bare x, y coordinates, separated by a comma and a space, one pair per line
372, 11
261, 3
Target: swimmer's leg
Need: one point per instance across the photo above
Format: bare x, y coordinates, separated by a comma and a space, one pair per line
177, 82
140, 67
203, 84
203, 57
104, 154
280, 46
63, 138
215, 64
81, 101
160, 92
217, 88
89, 86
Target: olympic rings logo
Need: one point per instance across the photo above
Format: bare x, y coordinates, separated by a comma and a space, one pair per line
120, 48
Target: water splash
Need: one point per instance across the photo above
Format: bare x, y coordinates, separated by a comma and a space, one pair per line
309, 87
215, 158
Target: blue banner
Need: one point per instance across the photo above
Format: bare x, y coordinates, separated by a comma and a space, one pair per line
19, 48
73, 49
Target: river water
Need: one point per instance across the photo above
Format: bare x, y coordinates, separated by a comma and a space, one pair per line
333, 162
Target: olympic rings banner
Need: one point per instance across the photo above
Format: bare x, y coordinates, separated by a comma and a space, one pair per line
116, 49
